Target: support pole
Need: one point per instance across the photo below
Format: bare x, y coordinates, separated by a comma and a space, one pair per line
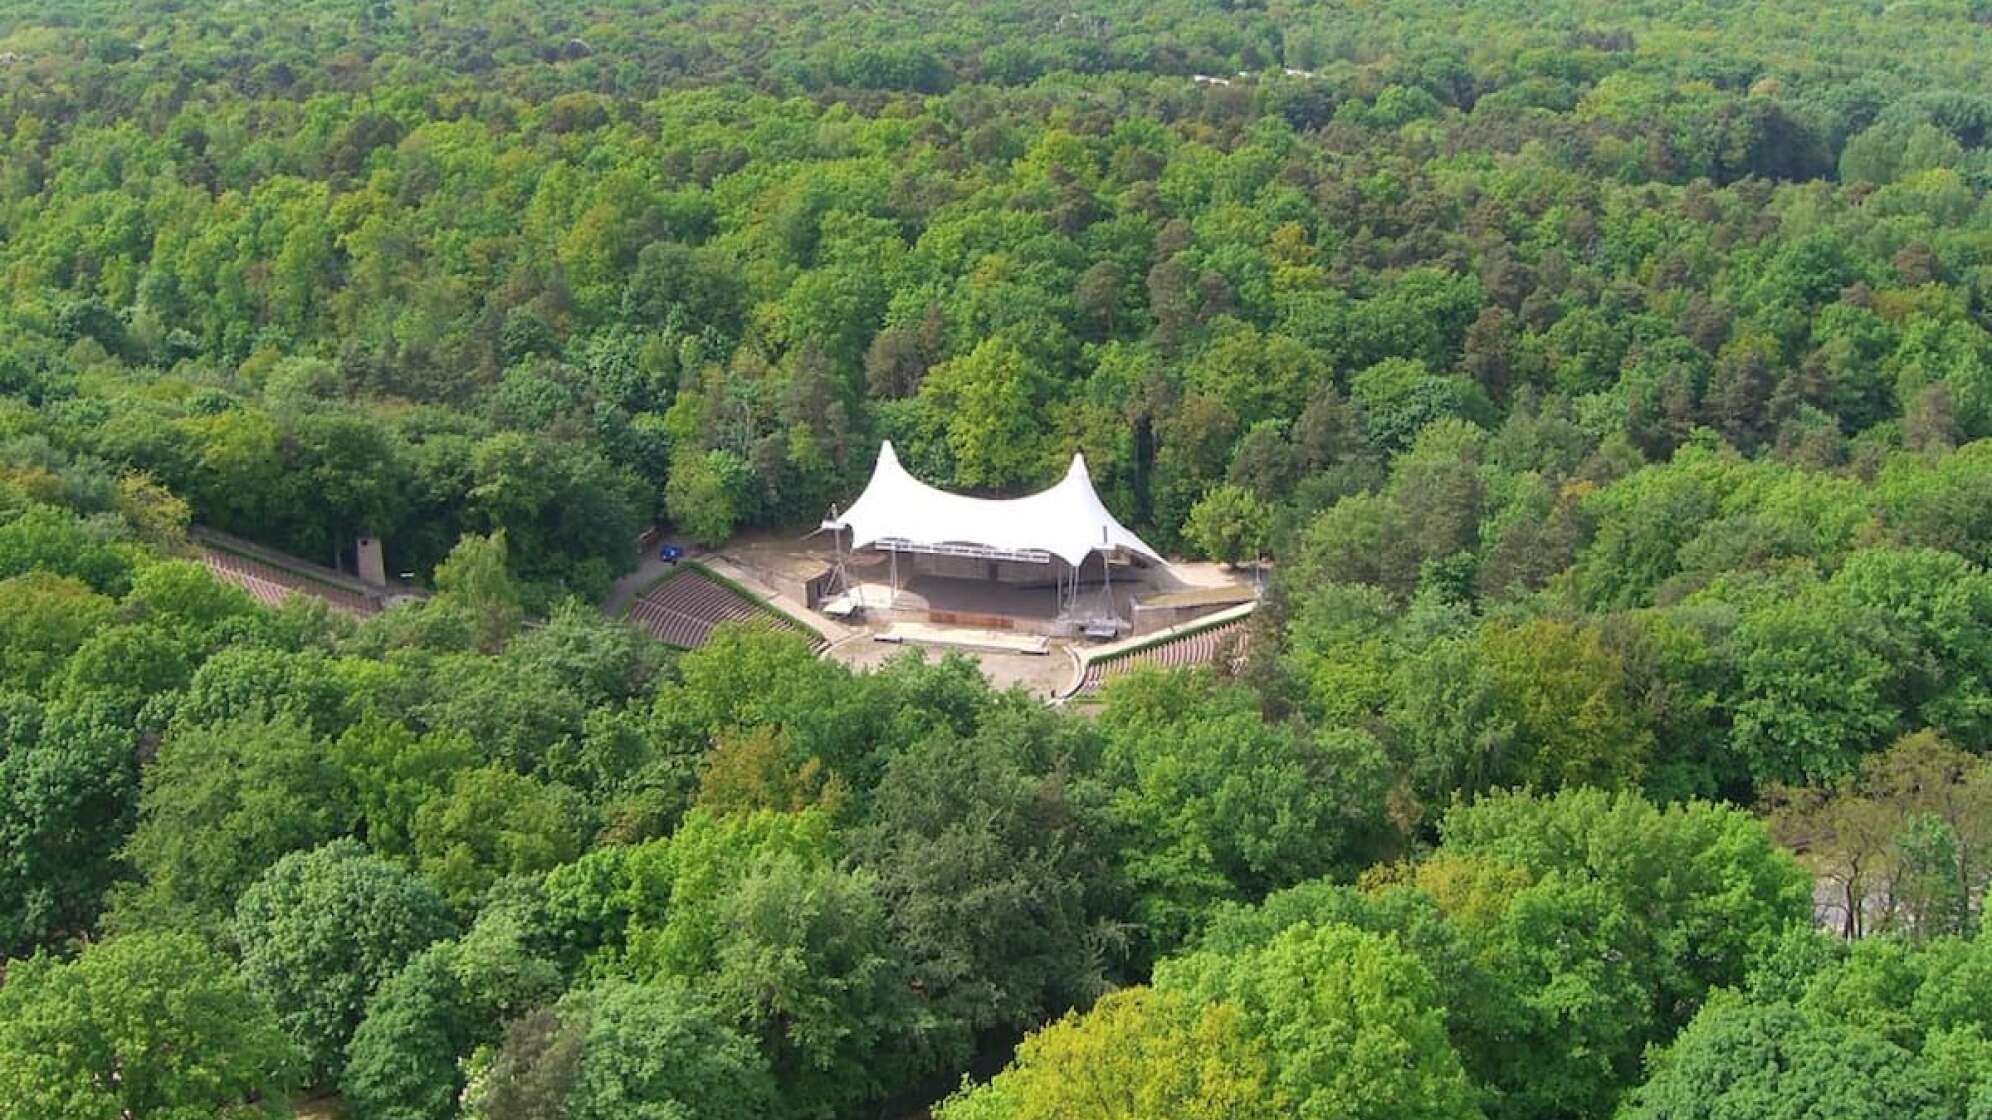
1107, 572
840, 580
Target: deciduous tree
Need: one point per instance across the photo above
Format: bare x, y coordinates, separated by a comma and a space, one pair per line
320, 930
153, 1024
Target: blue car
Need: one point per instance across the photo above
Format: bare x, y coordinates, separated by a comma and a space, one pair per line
670, 553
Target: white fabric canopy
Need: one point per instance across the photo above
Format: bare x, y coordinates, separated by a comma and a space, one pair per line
1069, 520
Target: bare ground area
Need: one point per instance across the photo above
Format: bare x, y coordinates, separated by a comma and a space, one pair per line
1042, 675
321, 1108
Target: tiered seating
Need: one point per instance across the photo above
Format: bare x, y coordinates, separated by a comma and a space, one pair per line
1201, 648
683, 611
271, 585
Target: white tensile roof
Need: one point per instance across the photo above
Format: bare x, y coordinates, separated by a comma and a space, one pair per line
1068, 520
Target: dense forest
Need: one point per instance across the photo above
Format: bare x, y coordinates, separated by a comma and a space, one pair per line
1610, 384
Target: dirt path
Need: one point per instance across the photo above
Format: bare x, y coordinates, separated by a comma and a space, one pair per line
648, 570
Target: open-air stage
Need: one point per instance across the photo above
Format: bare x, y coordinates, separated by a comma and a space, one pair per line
987, 605
1048, 591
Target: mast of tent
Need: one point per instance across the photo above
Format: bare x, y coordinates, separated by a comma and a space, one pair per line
833, 525
840, 571
840, 576
1107, 568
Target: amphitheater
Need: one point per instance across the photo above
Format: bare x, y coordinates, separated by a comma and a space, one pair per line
1047, 592
270, 577
1220, 645
688, 604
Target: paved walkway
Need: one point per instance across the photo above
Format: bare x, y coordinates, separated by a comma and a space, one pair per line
649, 569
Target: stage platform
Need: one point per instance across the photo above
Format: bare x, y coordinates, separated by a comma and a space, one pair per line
981, 605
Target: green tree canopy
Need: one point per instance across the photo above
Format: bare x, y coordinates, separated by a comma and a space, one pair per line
1349, 1021
152, 1024
1004, 810
1229, 524
475, 579
220, 804
1217, 804
1137, 1053
68, 796
623, 1050
320, 930
1741, 1059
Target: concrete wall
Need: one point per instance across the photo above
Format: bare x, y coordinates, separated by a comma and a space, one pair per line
1018, 573
792, 587
371, 563
816, 588
948, 567
1021, 574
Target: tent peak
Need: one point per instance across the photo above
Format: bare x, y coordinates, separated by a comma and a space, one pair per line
1067, 520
